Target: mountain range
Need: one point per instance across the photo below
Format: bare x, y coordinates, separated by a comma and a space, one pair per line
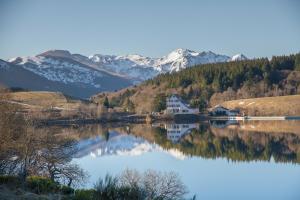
81, 76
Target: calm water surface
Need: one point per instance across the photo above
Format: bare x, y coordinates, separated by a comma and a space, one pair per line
216, 160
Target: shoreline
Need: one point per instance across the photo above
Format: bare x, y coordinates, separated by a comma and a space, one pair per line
143, 119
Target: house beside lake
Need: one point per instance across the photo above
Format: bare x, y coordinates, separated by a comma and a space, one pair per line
219, 110
175, 105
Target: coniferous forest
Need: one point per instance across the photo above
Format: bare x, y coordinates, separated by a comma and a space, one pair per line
210, 84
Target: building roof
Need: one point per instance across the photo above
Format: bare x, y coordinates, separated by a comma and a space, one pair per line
219, 106
181, 100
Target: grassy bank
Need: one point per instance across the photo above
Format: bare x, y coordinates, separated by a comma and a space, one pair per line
129, 185
53, 105
267, 106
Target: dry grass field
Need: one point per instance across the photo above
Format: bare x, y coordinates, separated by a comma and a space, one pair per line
39, 98
267, 106
43, 100
45, 105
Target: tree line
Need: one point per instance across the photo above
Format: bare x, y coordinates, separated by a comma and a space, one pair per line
240, 79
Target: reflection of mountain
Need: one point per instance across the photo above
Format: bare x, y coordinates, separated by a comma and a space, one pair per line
245, 141
119, 144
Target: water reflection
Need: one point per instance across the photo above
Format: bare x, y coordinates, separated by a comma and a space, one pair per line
247, 156
223, 123
236, 141
176, 131
114, 144
196, 151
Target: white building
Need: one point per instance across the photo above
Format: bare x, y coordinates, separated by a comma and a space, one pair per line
221, 111
177, 131
175, 105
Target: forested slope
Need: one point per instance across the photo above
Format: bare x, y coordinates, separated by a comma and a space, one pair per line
210, 84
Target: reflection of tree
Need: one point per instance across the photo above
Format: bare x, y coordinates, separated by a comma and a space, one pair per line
54, 160
106, 135
205, 143
27, 151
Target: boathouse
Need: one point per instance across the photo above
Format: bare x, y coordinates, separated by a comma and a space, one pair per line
222, 111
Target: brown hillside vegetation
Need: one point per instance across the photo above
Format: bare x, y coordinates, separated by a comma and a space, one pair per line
267, 106
44, 105
39, 98
142, 96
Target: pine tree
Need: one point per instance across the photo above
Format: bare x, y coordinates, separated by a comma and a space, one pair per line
297, 62
190, 92
129, 105
106, 102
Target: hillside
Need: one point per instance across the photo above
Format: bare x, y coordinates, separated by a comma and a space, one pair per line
81, 76
59, 74
45, 105
204, 86
267, 106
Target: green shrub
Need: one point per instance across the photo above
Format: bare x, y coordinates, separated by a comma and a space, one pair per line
10, 180
41, 185
83, 194
128, 192
66, 190
106, 188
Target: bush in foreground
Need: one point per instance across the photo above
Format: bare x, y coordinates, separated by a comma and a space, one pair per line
40, 185
133, 185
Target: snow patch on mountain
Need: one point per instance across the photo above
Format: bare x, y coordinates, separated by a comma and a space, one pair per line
182, 58
238, 57
133, 66
59, 70
142, 68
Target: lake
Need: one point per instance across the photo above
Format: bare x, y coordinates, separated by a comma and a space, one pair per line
216, 160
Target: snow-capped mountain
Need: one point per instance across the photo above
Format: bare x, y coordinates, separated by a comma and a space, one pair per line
182, 58
238, 57
58, 70
81, 76
141, 68
135, 66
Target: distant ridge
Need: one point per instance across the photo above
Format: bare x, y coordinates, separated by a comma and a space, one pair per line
81, 76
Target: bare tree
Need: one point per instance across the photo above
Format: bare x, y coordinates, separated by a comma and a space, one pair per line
73, 175
163, 185
54, 161
154, 185
130, 178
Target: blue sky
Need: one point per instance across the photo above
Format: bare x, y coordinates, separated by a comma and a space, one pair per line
153, 28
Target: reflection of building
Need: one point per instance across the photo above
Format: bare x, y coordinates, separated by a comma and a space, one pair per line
222, 123
176, 131
175, 105
221, 111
